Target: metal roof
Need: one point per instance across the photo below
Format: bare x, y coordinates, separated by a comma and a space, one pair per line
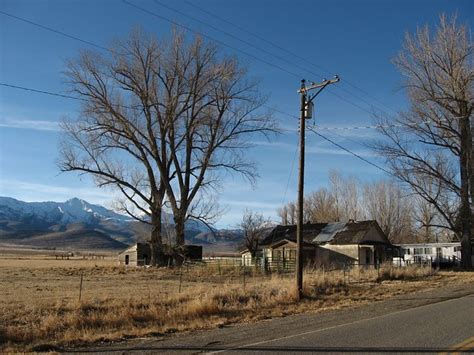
329, 231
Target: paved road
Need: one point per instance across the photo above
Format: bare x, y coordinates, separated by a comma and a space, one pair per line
427, 322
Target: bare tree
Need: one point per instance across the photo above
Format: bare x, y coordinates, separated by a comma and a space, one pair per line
253, 225
385, 202
160, 120
346, 196
426, 218
320, 207
287, 213
431, 147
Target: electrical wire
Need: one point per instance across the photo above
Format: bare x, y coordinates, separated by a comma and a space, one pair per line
240, 28
50, 29
350, 151
50, 93
42, 92
262, 50
189, 29
73, 37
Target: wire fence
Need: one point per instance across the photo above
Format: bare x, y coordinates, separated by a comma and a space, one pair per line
288, 265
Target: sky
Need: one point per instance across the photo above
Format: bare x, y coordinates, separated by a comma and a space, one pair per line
280, 41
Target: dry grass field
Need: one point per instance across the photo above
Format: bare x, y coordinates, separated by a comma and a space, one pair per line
40, 306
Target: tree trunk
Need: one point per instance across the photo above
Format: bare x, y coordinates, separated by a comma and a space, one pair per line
179, 248
465, 211
156, 244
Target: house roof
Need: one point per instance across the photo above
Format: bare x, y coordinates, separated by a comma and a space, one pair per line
288, 232
357, 233
332, 233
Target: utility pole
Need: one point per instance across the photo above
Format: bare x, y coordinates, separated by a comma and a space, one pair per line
306, 113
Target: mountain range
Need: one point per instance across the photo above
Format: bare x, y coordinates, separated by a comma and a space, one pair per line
78, 225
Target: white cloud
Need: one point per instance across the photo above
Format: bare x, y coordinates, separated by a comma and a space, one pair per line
39, 125
251, 204
315, 149
31, 192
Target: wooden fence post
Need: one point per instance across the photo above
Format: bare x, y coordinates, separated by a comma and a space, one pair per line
80, 287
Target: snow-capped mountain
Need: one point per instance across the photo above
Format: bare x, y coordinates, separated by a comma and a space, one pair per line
23, 222
72, 211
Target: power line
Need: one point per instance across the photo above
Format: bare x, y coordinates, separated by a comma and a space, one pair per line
50, 93
240, 28
349, 151
187, 28
64, 96
75, 38
50, 29
42, 92
262, 50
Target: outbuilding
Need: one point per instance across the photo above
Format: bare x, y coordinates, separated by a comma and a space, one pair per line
139, 254
136, 255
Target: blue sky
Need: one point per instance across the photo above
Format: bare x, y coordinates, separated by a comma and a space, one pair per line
355, 39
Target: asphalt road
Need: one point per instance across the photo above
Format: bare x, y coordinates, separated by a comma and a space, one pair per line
427, 322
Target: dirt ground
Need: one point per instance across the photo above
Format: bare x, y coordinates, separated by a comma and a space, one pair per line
39, 297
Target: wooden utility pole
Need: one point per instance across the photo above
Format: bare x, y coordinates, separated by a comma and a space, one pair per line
306, 113
299, 221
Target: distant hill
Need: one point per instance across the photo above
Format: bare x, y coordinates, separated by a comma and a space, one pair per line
77, 224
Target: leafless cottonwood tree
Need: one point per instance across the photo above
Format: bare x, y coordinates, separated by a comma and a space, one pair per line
320, 206
253, 227
287, 213
432, 150
341, 202
159, 122
385, 202
345, 190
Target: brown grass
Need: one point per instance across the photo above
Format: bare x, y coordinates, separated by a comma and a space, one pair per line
39, 300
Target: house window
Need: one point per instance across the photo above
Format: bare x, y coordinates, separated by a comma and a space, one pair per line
418, 251
407, 251
428, 250
292, 254
127, 259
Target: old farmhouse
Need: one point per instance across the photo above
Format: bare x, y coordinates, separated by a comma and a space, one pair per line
324, 244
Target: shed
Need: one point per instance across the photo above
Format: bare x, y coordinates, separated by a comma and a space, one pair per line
136, 255
139, 254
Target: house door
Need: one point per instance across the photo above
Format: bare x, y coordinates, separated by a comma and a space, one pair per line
127, 259
367, 256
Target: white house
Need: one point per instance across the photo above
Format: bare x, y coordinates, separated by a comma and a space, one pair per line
429, 252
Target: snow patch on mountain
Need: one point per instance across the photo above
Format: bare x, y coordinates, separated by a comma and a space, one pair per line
73, 210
